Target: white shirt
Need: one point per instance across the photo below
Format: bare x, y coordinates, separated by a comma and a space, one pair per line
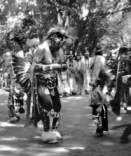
97, 64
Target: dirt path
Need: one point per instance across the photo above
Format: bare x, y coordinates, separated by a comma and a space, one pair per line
77, 130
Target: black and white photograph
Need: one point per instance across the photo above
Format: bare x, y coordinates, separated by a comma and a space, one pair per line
65, 77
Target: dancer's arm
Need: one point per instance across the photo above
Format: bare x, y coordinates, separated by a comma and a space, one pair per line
50, 67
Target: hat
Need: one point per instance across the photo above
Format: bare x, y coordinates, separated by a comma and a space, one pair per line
98, 50
69, 32
57, 30
123, 50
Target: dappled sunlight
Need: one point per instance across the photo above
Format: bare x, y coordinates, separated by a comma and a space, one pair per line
4, 103
64, 137
75, 98
36, 137
67, 99
58, 150
66, 149
9, 148
107, 143
36, 149
6, 124
3, 92
61, 150
77, 148
45, 154
13, 138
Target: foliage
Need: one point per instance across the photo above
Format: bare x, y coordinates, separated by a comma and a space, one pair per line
102, 23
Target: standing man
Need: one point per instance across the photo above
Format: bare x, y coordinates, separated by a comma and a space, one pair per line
87, 72
122, 87
41, 83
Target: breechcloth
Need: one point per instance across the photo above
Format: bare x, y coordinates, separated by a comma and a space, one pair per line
103, 114
49, 101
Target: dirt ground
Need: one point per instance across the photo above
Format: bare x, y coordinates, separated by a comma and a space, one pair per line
76, 127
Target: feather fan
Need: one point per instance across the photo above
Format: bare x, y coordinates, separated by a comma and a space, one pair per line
21, 69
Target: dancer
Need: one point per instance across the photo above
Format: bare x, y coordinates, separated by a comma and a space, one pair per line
39, 80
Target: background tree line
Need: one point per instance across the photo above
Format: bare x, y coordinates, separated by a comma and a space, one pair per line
104, 23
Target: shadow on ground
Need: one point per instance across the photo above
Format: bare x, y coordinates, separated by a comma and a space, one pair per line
77, 130
125, 134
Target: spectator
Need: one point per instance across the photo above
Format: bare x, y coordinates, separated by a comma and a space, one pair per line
121, 88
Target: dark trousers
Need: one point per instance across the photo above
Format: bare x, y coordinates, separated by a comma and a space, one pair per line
121, 94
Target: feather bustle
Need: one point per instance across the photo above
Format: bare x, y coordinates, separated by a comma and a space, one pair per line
22, 71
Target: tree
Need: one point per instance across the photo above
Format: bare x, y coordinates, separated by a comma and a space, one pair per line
92, 20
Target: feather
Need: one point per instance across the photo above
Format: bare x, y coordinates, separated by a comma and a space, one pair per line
22, 71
